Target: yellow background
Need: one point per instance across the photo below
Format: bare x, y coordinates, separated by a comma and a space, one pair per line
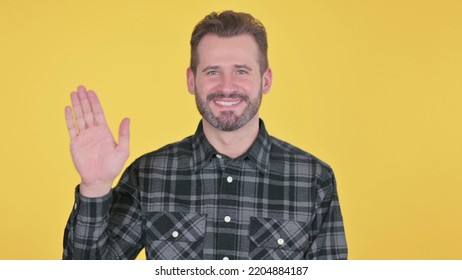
371, 87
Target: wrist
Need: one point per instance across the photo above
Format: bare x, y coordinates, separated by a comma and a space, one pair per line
95, 190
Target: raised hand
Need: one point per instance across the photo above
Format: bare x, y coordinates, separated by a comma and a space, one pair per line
96, 156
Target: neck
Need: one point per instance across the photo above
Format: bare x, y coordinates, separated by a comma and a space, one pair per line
232, 143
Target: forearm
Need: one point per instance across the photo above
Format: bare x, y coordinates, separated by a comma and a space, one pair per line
109, 227
86, 234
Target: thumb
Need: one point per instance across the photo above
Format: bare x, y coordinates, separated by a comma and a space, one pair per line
124, 134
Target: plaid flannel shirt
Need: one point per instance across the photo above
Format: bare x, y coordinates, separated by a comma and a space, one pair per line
186, 201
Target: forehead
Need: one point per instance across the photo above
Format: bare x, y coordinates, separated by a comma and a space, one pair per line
235, 49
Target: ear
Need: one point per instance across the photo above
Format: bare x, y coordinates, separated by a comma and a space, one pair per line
267, 80
190, 81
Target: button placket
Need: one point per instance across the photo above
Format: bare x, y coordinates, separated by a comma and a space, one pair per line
226, 212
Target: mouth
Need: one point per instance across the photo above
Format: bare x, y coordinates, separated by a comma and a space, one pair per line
225, 103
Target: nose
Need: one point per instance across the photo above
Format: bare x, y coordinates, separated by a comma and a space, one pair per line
228, 83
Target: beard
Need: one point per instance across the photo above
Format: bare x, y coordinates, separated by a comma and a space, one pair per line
228, 120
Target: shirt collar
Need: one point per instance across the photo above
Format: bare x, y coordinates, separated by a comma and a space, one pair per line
258, 154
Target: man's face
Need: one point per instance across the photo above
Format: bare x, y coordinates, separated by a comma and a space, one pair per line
228, 85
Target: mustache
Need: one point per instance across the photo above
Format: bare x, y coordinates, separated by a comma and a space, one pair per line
234, 95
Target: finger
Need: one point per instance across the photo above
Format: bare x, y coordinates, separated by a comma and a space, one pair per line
124, 134
70, 122
77, 111
96, 108
86, 109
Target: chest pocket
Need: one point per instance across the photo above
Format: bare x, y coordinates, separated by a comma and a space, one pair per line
175, 236
272, 239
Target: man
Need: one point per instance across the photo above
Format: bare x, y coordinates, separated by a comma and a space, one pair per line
230, 191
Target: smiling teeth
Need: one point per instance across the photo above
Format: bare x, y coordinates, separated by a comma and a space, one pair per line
227, 103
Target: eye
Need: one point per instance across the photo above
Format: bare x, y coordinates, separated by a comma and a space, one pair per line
241, 72
211, 73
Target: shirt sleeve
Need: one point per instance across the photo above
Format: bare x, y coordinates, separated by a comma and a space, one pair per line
328, 241
109, 227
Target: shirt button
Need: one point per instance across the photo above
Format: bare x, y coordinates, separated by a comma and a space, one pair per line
225, 258
280, 241
229, 179
219, 156
227, 219
175, 234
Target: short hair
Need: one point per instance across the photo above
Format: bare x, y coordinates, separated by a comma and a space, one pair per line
228, 24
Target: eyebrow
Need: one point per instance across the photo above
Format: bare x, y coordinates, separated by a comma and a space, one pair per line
209, 68
213, 67
245, 66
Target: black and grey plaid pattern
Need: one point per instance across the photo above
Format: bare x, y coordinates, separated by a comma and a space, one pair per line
280, 240
186, 201
176, 235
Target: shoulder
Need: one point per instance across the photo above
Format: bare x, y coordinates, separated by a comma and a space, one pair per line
173, 154
305, 162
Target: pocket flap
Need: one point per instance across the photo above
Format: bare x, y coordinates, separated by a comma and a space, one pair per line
176, 226
271, 233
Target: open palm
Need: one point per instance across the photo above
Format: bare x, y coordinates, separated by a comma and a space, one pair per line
96, 155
